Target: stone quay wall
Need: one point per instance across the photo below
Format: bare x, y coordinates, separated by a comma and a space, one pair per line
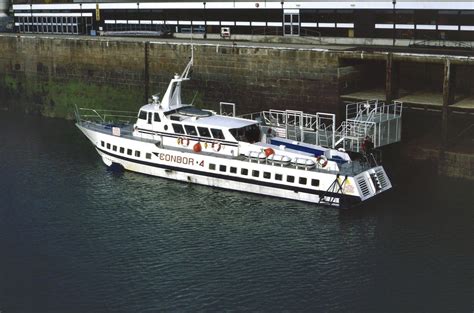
48, 75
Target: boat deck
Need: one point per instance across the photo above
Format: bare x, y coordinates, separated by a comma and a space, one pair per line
126, 131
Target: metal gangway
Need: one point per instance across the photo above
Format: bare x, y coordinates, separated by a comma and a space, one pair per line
373, 120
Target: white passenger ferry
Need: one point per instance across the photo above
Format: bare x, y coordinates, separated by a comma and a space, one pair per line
178, 141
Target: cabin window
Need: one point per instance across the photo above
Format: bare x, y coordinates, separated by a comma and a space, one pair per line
233, 170
290, 179
217, 133
255, 173
204, 132
303, 180
122, 149
149, 117
148, 155
102, 143
244, 171
190, 130
129, 151
137, 154
114, 147
315, 182
156, 117
212, 166
266, 175
222, 168
249, 133
178, 128
108, 146
278, 177
142, 115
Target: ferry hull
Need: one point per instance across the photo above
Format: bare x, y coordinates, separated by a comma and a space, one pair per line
192, 168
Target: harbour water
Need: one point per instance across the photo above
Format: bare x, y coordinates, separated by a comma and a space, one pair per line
76, 237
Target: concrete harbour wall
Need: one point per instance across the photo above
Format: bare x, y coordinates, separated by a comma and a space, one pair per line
47, 75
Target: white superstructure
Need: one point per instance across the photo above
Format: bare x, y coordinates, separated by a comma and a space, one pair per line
177, 141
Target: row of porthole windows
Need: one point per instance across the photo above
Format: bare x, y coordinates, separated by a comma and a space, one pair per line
122, 150
265, 175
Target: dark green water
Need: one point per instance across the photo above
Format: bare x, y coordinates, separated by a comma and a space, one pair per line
75, 237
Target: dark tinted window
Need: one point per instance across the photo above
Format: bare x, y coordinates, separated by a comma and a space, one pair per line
190, 130
233, 170
157, 117
122, 150
204, 132
142, 115
102, 143
137, 154
222, 168
212, 166
290, 179
303, 180
315, 182
255, 173
148, 155
178, 128
114, 148
266, 175
278, 177
108, 146
129, 151
217, 133
244, 171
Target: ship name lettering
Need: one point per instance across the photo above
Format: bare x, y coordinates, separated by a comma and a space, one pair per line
176, 158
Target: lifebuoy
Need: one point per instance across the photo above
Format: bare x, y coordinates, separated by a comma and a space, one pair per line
216, 146
183, 141
322, 160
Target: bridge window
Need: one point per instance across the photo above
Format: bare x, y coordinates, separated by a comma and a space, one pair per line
190, 130
217, 133
204, 132
178, 128
156, 117
249, 133
149, 117
142, 115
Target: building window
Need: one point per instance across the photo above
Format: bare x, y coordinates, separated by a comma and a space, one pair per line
303, 180
212, 166
137, 153
266, 175
108, 146
315, 182
278, 177
290, 179
178, 128
233, 170
222, 168
122, 149
244, 171
148, 155
129, 151
255, 173
102, 143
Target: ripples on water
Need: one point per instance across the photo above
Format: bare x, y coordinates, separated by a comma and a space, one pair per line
75, 237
